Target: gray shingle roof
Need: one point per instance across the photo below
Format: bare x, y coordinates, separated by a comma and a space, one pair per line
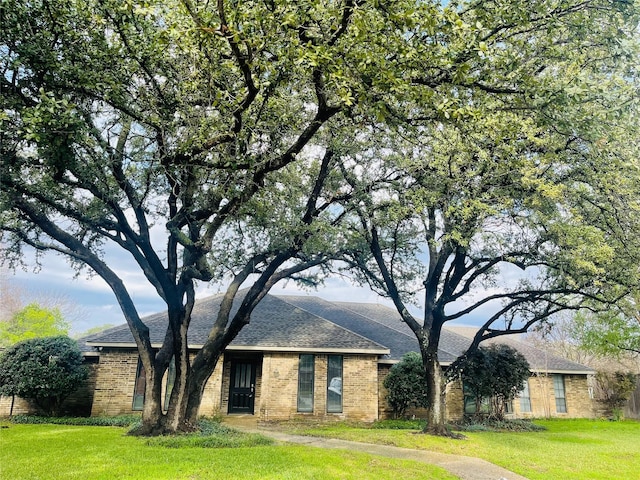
307, 323
539, 360
451, 345
275, 324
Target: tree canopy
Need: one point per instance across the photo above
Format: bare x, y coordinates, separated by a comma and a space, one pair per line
33, 321
613, 332
242, 143
517, 197
46, 370
196, 138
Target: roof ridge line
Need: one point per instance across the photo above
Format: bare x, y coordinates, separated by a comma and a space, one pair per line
327, 320
374, 320
440, 346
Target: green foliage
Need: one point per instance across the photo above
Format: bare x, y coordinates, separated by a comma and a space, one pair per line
99, 421
496, 372
33, 321
211, 434
613, 389
612, 332
488, 135
398, 424
406, 385
46, 370
495, 425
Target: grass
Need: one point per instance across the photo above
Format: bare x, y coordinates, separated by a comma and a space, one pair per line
576, 449
51, 452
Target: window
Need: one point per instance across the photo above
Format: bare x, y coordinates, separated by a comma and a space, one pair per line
508, 406
525, 397
334, 384
171, 378
470, 402
305, 383
139, 387
558, 391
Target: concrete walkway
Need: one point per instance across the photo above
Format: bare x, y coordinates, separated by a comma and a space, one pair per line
466, 468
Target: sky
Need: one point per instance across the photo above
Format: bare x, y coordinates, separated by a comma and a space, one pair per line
89, 301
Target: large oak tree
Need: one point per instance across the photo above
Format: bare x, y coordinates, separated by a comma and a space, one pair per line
192, 136
204, 140
517, 196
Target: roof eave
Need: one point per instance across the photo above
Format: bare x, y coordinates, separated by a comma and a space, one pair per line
550, 371
256, 348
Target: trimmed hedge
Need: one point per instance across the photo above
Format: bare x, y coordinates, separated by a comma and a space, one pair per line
116, 421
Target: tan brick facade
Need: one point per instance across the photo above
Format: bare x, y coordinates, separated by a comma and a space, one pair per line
115, 382
20, 406
579, 403
279, 400
275, 390
211, 401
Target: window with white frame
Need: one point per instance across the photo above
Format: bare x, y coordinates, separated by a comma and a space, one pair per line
559, 392
334, 384
525, 398
306, 368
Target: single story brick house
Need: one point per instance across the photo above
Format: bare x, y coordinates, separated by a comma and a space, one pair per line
302, 356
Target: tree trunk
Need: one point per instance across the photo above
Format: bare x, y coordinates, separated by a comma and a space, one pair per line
152, 416
436, 389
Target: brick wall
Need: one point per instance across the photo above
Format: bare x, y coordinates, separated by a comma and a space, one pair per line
21, 406
543, 402
384, 410
578, 401
360, 387
211, 396
278, 399
115, 381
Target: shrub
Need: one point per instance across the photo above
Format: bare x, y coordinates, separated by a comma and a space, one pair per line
406, 384
496, 372
613, 390
46, 370
493, 425
211, 433
398, 424
102, 421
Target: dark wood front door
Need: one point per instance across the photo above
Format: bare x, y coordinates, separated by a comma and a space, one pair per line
242, 387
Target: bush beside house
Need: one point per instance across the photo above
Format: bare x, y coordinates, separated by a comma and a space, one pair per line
44, 371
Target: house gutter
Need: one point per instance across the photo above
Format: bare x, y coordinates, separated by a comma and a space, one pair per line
257, 348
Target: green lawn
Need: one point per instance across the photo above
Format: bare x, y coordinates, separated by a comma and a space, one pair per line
50, 452
568, 449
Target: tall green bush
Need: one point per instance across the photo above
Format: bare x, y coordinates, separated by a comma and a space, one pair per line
496, 372
406, 384
46, 370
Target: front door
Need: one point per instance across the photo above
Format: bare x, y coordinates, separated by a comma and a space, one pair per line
242, 387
